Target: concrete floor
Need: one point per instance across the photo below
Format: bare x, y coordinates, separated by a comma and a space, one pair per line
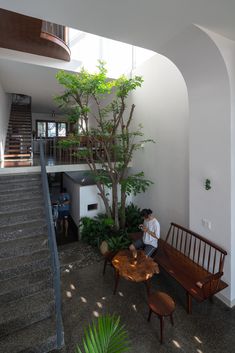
87, 293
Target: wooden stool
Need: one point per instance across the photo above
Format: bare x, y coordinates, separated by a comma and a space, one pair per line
162, 305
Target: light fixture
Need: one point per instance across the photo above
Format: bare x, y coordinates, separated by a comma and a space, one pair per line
53, 113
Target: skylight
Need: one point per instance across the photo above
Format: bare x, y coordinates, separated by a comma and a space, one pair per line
119, 57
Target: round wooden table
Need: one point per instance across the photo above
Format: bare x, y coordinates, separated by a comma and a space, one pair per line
162, 305
139, 269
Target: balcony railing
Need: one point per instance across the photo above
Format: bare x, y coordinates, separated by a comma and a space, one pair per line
72, 154
56, 30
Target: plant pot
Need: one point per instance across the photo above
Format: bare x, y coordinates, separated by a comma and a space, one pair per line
104, 248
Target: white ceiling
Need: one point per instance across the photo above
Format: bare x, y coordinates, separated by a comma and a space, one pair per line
36, 81
149, 24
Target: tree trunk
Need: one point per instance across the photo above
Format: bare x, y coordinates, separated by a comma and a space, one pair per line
115, 205
123, 209
105, 201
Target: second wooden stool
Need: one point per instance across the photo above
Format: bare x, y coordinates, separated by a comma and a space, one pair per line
162, 305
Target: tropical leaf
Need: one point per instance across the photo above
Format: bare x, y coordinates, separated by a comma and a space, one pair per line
106, 335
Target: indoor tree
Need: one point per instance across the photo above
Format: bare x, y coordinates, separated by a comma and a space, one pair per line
99, 108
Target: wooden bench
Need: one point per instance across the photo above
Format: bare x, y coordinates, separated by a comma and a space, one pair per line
193, 261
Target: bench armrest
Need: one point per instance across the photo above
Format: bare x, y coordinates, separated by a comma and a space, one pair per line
208, 279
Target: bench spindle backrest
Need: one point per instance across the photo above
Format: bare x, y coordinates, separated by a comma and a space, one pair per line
200, 250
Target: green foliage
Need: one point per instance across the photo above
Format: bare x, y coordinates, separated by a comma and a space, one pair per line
133, 218
119, 241
95, 230
107, 128
82, 85
124, 86
106, 335
135, 183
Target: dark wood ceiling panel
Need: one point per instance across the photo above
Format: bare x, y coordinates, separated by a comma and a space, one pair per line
23, 33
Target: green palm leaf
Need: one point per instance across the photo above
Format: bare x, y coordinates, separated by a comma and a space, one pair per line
106, 335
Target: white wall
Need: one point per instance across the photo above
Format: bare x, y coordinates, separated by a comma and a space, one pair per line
227, 49
162, 108
88, 196
81, 197
5, 104
74, 193
206, 76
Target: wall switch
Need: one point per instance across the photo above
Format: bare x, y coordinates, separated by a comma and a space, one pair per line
206, 223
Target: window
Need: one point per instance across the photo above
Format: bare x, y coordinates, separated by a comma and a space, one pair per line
62, 128
41, 129
91, 207
50, 129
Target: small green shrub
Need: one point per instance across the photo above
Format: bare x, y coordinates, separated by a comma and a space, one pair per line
133, 218
95, 230
119, 241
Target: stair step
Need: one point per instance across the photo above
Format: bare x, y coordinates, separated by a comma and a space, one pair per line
18, 150
27, 229
20, 133
17, 155
22, 247
19, 177
20, 184
18, 119
26, 311
25, 285
20, 136
15, 266
16, 217
38, 338
17, 192
19, 139
25, 120
14, 205
20, 196
19, 125
19, 145
20, 111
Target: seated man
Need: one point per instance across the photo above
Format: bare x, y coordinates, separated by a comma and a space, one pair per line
151, 234
63, 209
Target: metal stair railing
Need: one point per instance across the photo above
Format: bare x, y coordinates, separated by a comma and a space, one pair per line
53, 250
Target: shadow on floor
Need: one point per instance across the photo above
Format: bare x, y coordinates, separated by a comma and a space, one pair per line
61, 236
87, 294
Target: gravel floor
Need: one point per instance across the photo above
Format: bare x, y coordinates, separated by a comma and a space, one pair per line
79, 255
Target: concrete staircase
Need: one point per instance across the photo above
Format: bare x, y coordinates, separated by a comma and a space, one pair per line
27, 304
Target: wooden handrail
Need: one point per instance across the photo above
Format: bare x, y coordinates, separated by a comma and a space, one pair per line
210, 243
